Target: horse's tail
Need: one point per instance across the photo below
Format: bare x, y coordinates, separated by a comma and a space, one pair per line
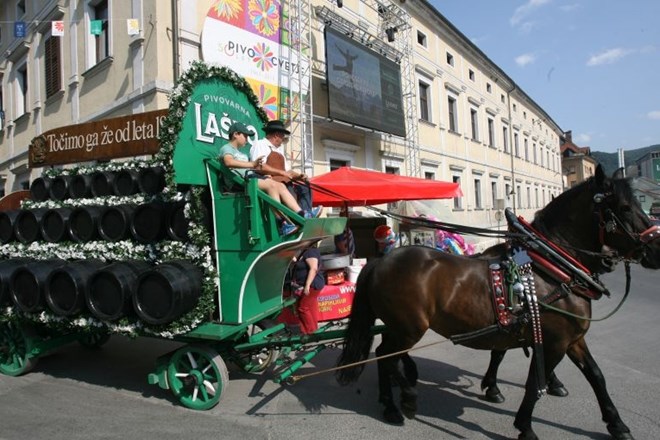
358, 337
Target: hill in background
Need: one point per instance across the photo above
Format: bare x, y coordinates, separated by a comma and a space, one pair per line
610, 161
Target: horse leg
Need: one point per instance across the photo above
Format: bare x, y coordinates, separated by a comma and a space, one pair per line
556, 387
388, 369
523, 420
581, 357
385, 396
409, 369
489, 382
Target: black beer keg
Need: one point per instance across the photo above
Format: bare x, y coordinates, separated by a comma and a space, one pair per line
55, 225
59, 187
148, 222
40, 189
110, 289
7, 220
66, 286
167, 291
27, 284
83, 223
102, 182
115, 222
151, 180
125, 183
80, 186
7, 268
177, 223
27, 226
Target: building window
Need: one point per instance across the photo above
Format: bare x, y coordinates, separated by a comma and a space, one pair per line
450, 59
489, 88
53, 66
2, 108
491, 133
505, 138
421, 38
515, 108
547, 159
458, 201
451, 112
516, 145
428, 175
507, 191
20, 9
526, 147
474, 119
524, 115
493, 194
519, 196
471, 74
529, 197
101, 43
477, 193
424, 110
335, 164
536, 195
502, 98
392, 170
534, 152
21, 90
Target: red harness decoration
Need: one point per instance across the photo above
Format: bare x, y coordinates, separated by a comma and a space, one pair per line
499, 295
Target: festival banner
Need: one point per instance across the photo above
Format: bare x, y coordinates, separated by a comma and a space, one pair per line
252, 38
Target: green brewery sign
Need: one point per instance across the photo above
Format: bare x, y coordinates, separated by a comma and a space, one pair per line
214, 105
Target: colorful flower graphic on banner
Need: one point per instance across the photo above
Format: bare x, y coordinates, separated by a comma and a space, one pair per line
262, 57
290, 106
265, 18
268, 100
230, 11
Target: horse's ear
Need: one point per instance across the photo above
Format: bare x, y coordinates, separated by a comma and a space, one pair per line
601, 178
618, 174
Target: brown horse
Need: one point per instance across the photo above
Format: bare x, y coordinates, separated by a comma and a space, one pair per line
416, 288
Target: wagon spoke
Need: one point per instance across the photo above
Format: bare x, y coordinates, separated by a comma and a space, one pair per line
209, 387
191, 358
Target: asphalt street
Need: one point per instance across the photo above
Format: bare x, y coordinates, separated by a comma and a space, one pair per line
81, 394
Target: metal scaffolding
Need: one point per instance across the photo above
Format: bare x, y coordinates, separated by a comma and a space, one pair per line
295, 86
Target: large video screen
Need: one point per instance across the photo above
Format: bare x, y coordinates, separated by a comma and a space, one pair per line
364, 87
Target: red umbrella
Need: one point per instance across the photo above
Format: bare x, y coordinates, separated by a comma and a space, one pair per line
355, 187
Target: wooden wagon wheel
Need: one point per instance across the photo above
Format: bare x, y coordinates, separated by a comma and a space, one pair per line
257, 361
15, 346
197, 376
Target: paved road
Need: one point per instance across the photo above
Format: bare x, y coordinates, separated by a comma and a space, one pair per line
78, 394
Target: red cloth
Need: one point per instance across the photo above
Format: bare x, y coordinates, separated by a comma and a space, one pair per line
332, 302
308, 311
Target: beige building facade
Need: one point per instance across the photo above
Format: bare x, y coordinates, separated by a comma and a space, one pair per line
467, 120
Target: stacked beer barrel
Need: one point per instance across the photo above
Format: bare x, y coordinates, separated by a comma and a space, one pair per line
110, 291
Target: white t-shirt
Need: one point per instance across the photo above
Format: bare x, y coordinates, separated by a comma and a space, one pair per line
263, 147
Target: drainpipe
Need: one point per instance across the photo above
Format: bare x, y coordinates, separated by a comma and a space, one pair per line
175, 39
514, 191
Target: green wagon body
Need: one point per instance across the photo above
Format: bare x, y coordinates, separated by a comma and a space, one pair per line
249, 258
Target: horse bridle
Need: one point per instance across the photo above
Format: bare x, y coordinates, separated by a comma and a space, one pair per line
610, 223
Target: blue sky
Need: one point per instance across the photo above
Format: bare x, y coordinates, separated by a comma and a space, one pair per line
593, 65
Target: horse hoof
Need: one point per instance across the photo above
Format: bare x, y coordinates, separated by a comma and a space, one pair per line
559, 391
527, 435
620, 435
494, 396
393, 416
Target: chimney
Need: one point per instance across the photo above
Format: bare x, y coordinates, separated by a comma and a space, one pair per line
569, 136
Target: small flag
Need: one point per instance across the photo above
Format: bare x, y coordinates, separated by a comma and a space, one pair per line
57, 28
133, 26
96, 27
19, 29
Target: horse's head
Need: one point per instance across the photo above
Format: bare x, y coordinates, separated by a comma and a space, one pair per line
622, 224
